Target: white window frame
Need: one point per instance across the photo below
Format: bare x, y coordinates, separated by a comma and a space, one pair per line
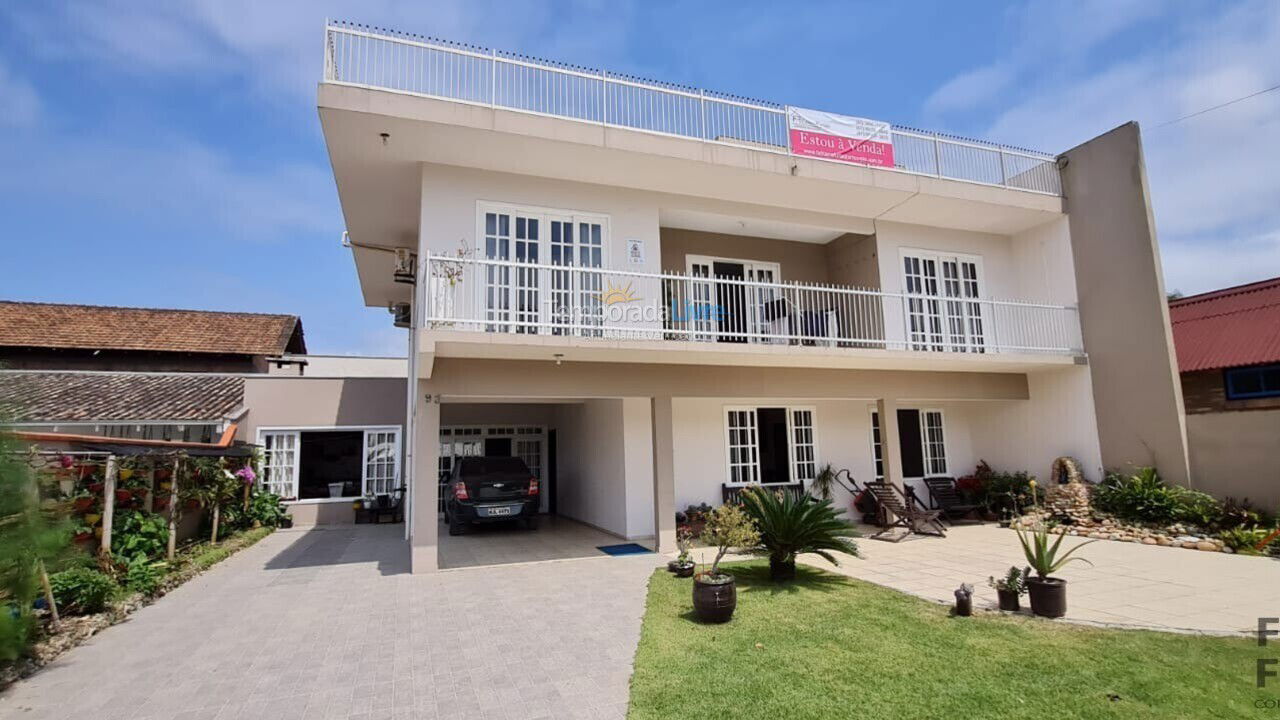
976, 327
543, 286
754, 464
287, 489
926, 456
298, 430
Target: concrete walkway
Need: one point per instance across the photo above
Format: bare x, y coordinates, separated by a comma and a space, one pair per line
328, 624
1129, 584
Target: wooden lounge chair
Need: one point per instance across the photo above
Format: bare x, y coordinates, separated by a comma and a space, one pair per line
898, 511
944, 496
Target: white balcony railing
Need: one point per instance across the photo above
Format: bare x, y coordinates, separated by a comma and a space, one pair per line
366, 57
503, 296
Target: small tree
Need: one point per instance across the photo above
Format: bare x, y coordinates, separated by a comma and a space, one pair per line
727, 527
30, 535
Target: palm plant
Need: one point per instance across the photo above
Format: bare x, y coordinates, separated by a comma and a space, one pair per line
793, 524
824, 482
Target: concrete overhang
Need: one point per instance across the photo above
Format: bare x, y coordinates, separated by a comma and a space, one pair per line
379, 179
502, 346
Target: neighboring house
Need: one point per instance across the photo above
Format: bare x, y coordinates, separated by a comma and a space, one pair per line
52, 336
1228, 345
188, 407
135, 373
653, 294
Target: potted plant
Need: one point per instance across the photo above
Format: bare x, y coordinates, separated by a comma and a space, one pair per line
1048, 593
791, 524
823, 483
683, 565
715, 594
1010, 587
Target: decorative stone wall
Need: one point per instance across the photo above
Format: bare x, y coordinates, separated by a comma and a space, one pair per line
1069, 506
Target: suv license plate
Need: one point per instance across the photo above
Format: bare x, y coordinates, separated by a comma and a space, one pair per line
503, 510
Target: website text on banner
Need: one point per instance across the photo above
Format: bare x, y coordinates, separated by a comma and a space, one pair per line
840, 137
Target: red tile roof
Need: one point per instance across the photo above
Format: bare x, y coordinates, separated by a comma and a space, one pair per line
49, 325
1228, 328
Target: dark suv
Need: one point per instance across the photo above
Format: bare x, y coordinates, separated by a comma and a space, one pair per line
490, 489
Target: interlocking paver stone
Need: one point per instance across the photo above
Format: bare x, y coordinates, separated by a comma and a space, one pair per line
329, 623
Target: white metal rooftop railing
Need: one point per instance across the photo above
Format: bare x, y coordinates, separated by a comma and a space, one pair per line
529, 298
376, 58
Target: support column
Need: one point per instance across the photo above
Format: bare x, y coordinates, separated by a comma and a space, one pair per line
890, 444
425, 426
664, 475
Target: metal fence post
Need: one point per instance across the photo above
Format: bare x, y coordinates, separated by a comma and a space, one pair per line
1004, 174
937, 156
493, 78
702, 104
604, 97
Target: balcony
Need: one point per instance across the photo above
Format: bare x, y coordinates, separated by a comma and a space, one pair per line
528, 303
376, 59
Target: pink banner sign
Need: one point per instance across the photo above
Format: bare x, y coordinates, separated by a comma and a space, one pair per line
840, 137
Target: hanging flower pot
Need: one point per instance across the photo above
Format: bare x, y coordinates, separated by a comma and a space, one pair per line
87, 470
163, 474
82, 504
126, 473
92, 519
96, 487
123, 495
140, 493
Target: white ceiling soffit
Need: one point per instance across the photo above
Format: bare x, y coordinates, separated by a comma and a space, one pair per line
751, 227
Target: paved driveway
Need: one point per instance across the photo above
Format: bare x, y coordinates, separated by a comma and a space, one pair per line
328, 624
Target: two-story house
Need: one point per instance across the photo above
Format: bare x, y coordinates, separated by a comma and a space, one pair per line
665, 291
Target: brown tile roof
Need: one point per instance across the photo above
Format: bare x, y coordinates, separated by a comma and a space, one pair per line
62, 396
49, 325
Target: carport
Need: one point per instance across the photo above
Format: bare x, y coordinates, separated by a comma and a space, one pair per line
593, 459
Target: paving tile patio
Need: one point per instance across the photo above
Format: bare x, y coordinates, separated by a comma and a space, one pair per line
329, 624
1129, 584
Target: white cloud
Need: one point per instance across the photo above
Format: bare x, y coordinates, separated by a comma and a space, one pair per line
970, 90
19, 104
1197, 266
1214, 187
173, 182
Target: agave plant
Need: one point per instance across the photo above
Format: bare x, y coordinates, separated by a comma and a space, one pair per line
1041, 556
793, 524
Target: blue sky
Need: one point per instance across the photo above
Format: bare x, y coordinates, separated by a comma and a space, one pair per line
169, 154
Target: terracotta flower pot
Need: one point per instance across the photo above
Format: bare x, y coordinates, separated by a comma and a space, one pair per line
1048, 596
714, 602
82, 504
124, 496
96, 487
163, 474
1009, 600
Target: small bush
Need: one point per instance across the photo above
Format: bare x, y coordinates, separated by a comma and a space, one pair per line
1009, 493
1141, 497
1244, 540
138, 535
81, 591
143, 577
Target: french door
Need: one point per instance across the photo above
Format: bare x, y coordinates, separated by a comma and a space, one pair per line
381, 467
948, 314
514, 295
280, 463
728, 304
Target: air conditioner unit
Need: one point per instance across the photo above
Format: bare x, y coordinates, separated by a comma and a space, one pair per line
401, 314
404, 271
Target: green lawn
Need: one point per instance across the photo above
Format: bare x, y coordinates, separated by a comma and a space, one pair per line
830, 647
